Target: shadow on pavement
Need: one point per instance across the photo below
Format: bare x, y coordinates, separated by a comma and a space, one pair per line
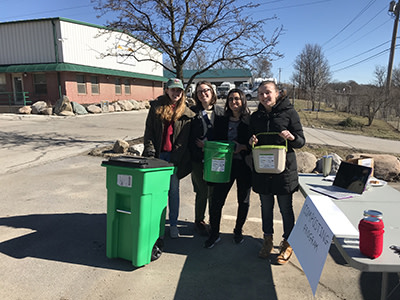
75, 238
223, 271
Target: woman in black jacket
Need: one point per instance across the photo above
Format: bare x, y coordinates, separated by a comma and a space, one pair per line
232, 127
202, 129
276, 114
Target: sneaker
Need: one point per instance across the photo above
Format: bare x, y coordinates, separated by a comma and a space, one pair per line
174, 232
285, 253
211, 242
238, 236
202, 228
267, 247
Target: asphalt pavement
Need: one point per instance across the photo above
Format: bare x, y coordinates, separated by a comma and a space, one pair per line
53, 226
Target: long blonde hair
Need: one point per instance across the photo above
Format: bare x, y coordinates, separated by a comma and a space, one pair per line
167, 112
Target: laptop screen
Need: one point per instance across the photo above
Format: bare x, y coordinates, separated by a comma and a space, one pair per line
352, 177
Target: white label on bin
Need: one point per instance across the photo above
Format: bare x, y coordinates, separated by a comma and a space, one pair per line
124, 180
218, 165
266, 161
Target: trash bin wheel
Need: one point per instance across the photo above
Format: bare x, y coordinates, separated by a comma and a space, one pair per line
157, 249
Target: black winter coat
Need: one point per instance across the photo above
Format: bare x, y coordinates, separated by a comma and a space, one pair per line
197, 131
283, 116
221, 132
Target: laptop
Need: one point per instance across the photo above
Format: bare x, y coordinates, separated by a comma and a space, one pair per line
350, 181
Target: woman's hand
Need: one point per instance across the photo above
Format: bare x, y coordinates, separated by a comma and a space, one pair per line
200, 143
239, 147
253, 140
287, 135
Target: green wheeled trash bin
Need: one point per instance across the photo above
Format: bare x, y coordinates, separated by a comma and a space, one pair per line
137, 197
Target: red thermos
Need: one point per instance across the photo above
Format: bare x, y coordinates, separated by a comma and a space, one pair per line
371, 230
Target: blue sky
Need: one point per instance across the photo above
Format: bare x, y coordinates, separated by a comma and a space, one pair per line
355, 35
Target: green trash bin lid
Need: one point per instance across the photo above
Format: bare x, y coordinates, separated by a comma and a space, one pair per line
138, 162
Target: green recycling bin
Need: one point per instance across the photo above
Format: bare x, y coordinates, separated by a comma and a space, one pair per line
137, 197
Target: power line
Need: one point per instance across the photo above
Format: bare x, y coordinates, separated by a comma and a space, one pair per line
358, 55
362, 27
348, 24
364, 60
50, 11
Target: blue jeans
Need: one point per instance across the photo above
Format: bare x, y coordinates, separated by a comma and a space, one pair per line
173, 194
267, 213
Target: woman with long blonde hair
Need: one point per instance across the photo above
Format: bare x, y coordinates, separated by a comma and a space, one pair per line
166, 137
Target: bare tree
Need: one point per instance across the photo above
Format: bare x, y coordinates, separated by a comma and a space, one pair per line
312, 72
262, 67
184, 29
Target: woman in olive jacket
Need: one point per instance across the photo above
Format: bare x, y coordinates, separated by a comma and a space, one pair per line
276, 114
166, 137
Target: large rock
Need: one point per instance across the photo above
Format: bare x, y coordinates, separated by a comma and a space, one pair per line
78, 108
136, 149
62, 104
66, 113
38, 107
94, 109
135, 104
25, 110
125, 105
305, 162
386, 166
47, 111
120, 146
116, 106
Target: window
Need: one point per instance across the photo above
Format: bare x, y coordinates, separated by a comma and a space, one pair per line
3, 82
127, 84
80, 80
40, 83
118, 86
95, 84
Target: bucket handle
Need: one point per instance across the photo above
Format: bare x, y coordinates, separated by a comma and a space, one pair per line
270, 133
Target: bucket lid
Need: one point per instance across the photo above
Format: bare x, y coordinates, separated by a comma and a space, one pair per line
138, 162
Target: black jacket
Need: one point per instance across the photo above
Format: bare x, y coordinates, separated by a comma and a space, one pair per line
283, 116
221, 125
197, 131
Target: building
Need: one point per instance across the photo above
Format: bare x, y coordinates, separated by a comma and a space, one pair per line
45, 59
218, 76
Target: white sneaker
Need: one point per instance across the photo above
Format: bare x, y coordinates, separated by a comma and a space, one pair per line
174, 232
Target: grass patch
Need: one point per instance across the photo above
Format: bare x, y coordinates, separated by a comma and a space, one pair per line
326, 118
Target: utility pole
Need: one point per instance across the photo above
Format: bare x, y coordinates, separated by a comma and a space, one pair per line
395, 9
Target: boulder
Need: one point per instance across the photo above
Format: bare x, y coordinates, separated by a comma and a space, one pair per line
63, 104
386, 166
78, 108
117, 107
94, 109
66, 113
120, 146
135, 105
38, 107
136, 149
305, 162
125, 105
47, 111
25, 110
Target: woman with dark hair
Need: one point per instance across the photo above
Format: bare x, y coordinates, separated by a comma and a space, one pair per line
232, 127
202, 129
276, 114
166, 137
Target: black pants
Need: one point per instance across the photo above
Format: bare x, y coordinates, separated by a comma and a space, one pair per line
242, 174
